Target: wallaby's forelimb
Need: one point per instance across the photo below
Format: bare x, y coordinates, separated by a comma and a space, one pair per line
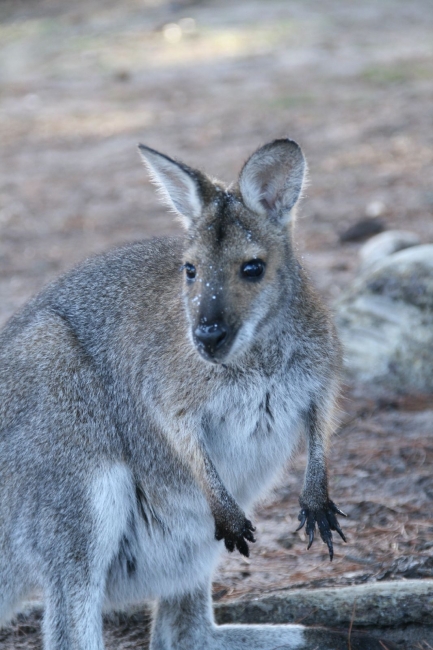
316, 506
231, 525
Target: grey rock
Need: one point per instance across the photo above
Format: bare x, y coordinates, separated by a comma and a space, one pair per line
386, 322
385, 244
369, 606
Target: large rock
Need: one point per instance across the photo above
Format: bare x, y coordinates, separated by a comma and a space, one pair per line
385, 244
386, 322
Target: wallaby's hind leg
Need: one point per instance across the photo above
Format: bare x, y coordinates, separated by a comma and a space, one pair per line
14, 587
9, 603
186, 623
75, 581
6, 599
55, 625
73, 617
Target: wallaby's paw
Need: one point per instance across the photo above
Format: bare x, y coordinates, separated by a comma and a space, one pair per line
327, 522
234, 537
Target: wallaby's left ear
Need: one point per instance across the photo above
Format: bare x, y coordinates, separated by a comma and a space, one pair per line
180, 185
271, 180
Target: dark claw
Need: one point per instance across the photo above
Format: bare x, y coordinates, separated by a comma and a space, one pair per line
242, 547
248, 532
325, 528
248, 524
326, 521
334, 525
340, 532
302, 517
310, 528
336, 509
234, 540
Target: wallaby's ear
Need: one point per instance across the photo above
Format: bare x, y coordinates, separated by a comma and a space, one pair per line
179, 185
271, 180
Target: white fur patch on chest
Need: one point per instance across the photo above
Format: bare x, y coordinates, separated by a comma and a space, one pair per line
250, 434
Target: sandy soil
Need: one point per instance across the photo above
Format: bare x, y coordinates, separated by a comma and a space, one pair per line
81, 83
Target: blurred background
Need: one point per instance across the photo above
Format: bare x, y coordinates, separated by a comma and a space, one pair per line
81, 83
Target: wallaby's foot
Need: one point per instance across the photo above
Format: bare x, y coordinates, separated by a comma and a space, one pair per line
186, 623
290, 637
327, 522
234, 533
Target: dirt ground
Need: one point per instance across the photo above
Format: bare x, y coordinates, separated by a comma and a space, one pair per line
81, 83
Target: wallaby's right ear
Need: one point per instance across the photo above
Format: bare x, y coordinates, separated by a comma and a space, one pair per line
271, 180
178, 184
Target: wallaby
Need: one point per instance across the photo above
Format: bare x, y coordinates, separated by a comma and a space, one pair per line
150, 396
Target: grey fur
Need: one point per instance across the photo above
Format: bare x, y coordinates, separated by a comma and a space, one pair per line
124, 452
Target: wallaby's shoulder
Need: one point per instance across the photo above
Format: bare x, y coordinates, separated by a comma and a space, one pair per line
107, 282
121, 273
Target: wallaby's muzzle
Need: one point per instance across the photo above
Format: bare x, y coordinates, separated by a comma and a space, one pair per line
212, 340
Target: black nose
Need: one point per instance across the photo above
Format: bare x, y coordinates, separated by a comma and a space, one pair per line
211, 336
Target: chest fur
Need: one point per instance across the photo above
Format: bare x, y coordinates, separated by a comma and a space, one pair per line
250, 433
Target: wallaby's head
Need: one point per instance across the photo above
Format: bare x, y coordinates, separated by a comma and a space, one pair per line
238, 265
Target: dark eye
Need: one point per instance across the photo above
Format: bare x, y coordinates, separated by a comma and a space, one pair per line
190, 271
253, 270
